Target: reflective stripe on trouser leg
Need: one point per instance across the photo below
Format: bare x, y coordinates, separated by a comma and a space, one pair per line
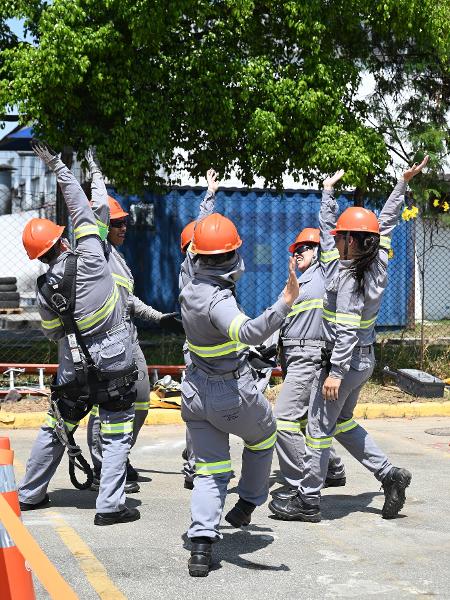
141, 405
94, 440
46, 454
117, 433
212, 457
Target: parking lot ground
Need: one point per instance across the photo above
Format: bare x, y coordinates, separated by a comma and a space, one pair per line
352, 553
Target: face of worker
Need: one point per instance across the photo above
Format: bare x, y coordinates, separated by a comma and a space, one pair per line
303, 257
339, 240
117, 231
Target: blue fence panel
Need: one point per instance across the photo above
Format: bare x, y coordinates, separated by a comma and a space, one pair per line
267, 223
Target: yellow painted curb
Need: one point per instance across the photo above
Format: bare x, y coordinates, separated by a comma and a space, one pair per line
166, 416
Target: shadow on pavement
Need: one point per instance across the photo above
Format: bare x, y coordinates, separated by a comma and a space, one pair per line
81, 499
338, 506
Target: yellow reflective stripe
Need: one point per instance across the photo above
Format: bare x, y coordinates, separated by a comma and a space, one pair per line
293, 426
385, 242
102, 313
267, 443
342, 318
329, 255
51, 422
88, 229
116, 428
306, 305
345, 426
318, 443
213, 468
368, 323
233, 329
94, 411
123, 281
141, 405
303, 423
52, 324
213, 351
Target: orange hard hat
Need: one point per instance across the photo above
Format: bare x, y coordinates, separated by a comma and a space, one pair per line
215, 234
186, 235
309, 235
115, 210
356, 218
39, 235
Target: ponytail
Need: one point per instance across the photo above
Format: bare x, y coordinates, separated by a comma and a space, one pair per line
365, 254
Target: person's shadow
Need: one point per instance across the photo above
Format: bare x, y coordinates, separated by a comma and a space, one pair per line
338, 506
236, 543
81, 499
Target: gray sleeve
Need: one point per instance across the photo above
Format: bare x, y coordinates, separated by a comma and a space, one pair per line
143, 311
328, 253
390, 213
229, 320
50, 322
99, 202
207, 205
349, 307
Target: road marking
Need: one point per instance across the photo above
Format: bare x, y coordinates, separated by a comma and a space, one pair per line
93, 569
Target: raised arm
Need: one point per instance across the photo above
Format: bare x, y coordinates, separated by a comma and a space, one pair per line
329, 255
99, 195
208, 202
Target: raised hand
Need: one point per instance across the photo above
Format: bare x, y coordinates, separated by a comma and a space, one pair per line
91, 159
415, 169
329, 182
45, 152
291, 290
213, 183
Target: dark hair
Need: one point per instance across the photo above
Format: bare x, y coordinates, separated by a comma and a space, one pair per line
215, 259
52, 253
364, 255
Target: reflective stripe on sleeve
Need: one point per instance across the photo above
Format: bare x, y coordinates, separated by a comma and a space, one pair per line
235, 325
265, 444
292, 426
124, 282
385, 242
306, 305
116, 428
101, 313
52, 324
84, 230
214, 351
329, 255
318, 443
342, 318
141, 405
368, 323
345, 426
213, 468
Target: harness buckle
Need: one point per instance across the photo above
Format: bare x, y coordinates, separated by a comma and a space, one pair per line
61, 303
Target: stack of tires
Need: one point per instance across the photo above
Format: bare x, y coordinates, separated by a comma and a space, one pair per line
9, 296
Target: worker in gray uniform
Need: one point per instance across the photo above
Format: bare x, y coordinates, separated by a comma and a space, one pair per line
112, 223
79, 306
219, 395
186, 274
300, 352
351, 304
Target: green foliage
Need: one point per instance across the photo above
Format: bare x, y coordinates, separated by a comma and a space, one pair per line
262, 87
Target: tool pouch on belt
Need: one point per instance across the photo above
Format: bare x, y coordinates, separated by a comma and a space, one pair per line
74, 401
115, 390
325, 359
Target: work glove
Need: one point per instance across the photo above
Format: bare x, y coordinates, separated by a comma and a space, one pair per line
47, 154
92, 160
171, 322
267, 352
259, 361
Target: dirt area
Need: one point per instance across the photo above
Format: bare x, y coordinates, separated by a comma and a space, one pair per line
32, 404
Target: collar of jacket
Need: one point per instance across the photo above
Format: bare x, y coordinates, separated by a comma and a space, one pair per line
308, 274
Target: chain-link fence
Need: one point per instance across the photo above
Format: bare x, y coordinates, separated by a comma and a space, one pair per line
413, 324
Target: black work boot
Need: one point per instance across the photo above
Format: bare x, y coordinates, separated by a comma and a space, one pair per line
330, 482
394, 486
285, 492
132, 474
184, 454
24, 506
295, 509
201, 557
188, 484
122, 516
241, 514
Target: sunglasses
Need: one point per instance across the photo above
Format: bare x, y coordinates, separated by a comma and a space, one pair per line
301, 249
118, 223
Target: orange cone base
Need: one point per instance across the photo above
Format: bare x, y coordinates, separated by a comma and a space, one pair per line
16, 582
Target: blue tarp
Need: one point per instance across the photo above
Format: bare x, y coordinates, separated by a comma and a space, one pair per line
267, 223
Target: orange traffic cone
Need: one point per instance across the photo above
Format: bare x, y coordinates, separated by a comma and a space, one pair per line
16, 582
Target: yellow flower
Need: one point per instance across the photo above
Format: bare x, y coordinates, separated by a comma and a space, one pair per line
435, 202
410, 213
445, 206
414, 212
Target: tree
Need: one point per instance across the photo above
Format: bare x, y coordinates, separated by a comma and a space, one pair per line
264, 87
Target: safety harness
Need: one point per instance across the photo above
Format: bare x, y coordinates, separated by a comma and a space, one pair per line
73, 400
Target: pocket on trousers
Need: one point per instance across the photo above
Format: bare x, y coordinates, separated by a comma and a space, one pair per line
190, 406
362, 362
224, 396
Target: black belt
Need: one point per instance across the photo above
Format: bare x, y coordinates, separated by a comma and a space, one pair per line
236, 374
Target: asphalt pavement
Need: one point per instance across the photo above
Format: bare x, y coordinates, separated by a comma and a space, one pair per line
352, 553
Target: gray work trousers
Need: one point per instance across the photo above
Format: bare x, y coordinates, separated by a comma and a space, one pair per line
141, 411
291, 411
328, 419
262, 379
213, 407
47, 452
